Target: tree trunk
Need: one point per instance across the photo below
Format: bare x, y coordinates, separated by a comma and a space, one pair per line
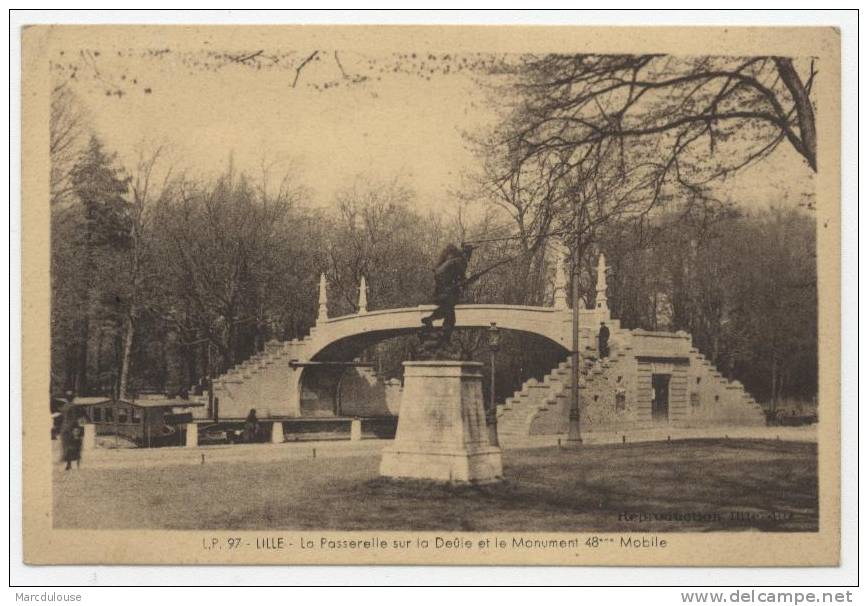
129, 330
773, 405
71, 368
98, 363
164, 364
807, 142
81, 382
189, 354
129, 321
81, 386
715, 349
781, 383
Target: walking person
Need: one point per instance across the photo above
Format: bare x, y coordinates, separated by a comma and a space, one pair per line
72, 436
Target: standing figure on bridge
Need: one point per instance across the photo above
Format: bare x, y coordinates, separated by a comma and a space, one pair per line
603, 341
449, 281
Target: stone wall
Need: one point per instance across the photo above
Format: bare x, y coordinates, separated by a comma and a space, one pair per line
265, 382
394, 391
617, 393
363, 394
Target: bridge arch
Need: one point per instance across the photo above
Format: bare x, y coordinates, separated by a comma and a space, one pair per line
273, 380
337, 341
345, 337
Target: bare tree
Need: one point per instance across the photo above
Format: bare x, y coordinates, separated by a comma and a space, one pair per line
692, 119
223, 251
67, 132
378, 235
141, 270
587, 141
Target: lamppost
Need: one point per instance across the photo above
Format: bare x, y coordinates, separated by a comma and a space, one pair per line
491, 420
574, 435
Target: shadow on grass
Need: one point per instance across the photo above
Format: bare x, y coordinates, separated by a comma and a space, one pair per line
689, 485
696, 485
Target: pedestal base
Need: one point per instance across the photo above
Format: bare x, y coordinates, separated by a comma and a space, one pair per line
480, 467
441, 432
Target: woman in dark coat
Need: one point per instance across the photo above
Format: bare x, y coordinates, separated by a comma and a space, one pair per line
71, 436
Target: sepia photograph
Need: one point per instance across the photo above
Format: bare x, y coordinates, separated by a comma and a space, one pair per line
431, 295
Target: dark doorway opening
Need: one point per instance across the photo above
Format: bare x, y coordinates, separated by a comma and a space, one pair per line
660, 395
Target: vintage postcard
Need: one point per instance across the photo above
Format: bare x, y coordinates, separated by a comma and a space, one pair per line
431, 295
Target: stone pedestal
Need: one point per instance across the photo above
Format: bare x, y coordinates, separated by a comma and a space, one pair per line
441, 428
277, 436
88, 439
192, 435
356, 430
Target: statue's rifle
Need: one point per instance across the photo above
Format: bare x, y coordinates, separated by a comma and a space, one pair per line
468, 281
476, 276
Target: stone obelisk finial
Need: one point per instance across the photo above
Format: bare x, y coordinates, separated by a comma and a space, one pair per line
601, 301
363, 296
323, 300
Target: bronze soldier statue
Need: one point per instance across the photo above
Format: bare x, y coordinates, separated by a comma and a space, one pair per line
449, 281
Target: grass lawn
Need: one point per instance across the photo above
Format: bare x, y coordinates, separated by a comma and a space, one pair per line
769, 485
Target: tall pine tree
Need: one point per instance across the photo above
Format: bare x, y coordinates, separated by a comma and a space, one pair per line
85, 256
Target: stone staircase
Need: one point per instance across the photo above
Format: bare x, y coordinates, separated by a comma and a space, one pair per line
542, 407
724, 401
517, 413
609, 394
259, 381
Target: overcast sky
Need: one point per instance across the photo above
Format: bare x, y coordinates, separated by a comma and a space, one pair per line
394, 124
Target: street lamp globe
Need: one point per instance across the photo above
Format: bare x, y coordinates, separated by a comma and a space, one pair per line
493, 337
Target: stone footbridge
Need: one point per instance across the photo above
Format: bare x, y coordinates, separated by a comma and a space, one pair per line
651, 377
